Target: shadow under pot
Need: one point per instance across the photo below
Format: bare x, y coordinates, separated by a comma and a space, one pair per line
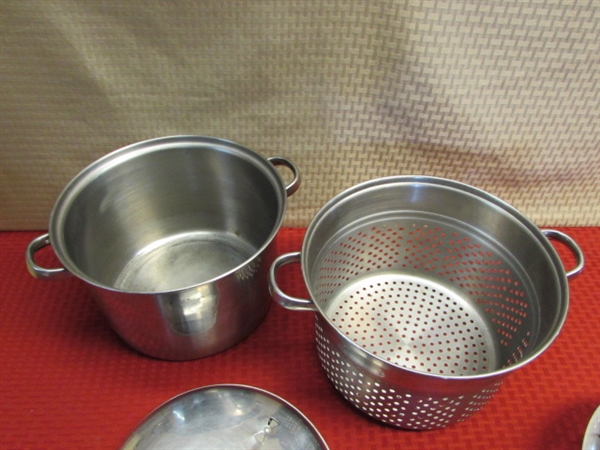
428, 293
174, 237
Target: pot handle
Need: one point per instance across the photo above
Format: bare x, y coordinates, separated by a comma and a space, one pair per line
572, 245
295, 183
287, 301
38, 271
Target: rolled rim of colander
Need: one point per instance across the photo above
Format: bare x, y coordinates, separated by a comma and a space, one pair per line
498, 205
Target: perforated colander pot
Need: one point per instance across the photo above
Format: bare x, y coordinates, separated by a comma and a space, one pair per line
428, 293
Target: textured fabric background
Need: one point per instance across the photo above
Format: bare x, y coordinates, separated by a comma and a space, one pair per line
499, 94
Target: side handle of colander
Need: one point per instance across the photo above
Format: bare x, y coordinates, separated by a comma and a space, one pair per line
572, 245
287, 301
296, 180
38, 271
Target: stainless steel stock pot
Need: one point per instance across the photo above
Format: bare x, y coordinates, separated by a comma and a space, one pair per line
174, 237
428, 293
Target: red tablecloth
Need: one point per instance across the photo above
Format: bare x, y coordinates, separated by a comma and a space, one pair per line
67, 381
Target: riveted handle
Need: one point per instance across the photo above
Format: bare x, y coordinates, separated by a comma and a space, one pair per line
39, 271
287, 301
295, 183
572, 245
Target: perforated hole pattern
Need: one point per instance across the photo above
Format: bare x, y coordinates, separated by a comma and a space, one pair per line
411, 324
407, 291
424, 295
393, 404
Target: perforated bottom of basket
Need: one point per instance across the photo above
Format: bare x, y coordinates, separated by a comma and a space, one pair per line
414, 323
394, 404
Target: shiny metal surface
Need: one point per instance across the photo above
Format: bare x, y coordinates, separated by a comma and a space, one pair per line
428, 292
226, 417
174, 237
591, 438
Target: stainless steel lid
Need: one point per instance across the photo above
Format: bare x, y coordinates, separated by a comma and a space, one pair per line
226, 416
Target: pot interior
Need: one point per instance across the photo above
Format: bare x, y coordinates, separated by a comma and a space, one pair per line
167, 214
434, 276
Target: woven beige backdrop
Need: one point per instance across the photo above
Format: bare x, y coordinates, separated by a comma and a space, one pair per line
499, 94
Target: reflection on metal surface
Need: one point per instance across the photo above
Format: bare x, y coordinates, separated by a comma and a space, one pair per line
192, 314
226, 416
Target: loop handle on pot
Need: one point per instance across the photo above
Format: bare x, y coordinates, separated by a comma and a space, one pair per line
572, 245
295, 183
287, 301
38, 271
